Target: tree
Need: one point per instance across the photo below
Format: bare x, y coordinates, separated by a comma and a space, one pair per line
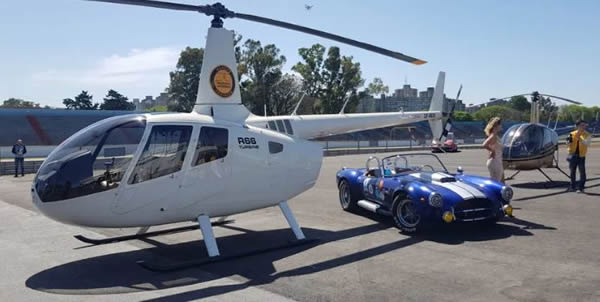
332, 80
262, 76
547, 108
506, 113
285, 95
572, 113
520, 103
183, 88
158, 108
377, 87
116, 101
19, 103
462, 116
83, 101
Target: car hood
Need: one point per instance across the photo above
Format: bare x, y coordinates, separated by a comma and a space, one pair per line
453, 190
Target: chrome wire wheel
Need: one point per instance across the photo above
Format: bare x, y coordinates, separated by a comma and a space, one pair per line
347, 201
407, 214
344, 194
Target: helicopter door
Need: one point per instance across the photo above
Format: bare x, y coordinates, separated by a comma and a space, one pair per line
157, 174
210, 167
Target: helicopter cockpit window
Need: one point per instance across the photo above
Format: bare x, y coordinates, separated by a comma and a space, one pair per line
548, 138
280, 126
163, 154
272, 125
93, 160
288, 127
212, 145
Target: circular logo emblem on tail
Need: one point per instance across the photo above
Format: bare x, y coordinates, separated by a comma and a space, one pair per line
222, 81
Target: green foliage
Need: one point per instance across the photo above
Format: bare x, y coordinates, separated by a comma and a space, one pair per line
82, 101
263, 81
158, 108
19, 103
330, 79
504, 112
462, 116
573, 112
547, 108
116, 101
377, 87
183, 88
520, 103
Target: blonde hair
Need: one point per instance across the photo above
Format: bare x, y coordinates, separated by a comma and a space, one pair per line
491, 124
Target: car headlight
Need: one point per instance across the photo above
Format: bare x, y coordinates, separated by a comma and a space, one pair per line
507, 193
435, 200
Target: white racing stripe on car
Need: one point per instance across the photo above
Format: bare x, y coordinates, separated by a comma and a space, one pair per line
465, 191
471, 189
464, 194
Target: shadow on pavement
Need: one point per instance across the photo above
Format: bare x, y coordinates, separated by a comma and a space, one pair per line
554, 194
119, 273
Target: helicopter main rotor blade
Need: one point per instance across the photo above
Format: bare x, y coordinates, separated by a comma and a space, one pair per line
561, 98
326, 35
220, 11
543, 94
158, 4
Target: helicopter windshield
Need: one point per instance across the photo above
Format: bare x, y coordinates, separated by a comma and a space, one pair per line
528, 140
92, 160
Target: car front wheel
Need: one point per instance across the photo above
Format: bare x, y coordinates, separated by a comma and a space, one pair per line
405, 214
347, 201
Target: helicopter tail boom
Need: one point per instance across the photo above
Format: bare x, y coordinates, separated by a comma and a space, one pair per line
439, 127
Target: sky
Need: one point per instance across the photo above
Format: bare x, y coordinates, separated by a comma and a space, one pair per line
53, 49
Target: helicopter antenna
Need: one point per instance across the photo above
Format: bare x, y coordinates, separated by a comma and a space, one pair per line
218, 11
298, 104
345, 103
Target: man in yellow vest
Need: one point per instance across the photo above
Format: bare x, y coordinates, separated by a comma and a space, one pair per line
578, 140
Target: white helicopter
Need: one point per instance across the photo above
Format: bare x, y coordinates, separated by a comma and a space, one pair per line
144, 170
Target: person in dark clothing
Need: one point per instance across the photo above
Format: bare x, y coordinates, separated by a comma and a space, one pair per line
19, 151
578, 140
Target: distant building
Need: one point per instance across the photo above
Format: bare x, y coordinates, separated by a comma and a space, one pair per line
149, 102
473, 109
406, 99
499, 102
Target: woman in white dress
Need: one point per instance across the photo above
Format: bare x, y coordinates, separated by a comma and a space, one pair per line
494, 145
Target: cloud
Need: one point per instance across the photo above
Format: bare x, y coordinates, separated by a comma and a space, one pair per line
139, 65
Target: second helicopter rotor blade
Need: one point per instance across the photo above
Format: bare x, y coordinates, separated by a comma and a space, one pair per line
322, 34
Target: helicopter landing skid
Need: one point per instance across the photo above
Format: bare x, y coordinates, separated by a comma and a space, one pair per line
141, 235
165, 265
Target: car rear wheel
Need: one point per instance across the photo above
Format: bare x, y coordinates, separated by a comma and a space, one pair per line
347, 201
405, 214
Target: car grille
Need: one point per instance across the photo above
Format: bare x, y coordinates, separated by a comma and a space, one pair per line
473, 209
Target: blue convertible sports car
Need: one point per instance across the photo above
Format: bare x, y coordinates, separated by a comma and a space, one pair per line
416, 188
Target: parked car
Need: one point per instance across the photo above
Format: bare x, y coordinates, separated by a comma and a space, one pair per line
416, 189
448, 146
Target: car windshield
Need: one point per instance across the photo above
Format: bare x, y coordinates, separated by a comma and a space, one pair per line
404, 163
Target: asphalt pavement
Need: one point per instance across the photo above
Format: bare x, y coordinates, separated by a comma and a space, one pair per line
548, 252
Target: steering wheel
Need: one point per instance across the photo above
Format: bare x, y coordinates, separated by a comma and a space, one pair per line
428, 166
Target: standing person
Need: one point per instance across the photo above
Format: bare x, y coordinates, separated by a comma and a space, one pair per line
578, 141
494, 146
19, 151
